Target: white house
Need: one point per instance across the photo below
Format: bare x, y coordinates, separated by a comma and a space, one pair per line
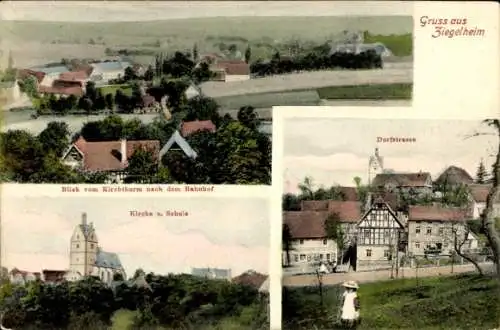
20, 277
88, 259
380, 232
479, 194
103, 72
309, 244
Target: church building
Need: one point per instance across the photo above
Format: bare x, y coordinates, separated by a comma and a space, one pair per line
88, 259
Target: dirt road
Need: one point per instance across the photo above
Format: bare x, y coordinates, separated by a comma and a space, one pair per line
374, 276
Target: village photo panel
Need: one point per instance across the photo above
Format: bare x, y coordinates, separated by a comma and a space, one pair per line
134, 97
92, 263
385, 200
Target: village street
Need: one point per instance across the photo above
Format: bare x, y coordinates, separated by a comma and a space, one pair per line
381, 275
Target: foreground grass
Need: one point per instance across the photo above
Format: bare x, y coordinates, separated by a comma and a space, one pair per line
460, 302
367, 92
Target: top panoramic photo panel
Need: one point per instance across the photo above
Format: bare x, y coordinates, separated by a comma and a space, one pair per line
174, 93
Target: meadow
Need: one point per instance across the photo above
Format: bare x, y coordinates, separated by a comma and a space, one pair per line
48, 41
459, 302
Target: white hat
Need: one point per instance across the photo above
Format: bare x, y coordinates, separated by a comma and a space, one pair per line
350, 284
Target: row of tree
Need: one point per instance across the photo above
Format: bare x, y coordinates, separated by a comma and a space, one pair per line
317, 61
172, 301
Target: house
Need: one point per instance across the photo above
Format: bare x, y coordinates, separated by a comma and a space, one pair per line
73, 78
435, 227
103, 72
61, 91
51, 73
190, 127
231, 70
419, 183
178, 142
73, 276
88, 259
479, 194
356, 48
20, 277
110, 157
212, 273
192, 91
39, 76
250, 278
454, 176
380, 234
51, 276
309, 244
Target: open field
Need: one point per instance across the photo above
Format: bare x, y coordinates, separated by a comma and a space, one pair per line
398, 73
460, 302
367, 92
34, 43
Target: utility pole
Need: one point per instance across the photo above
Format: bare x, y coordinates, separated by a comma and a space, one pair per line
397, 252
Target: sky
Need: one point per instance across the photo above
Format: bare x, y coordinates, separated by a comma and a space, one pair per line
218, 232
98, 11
334, 151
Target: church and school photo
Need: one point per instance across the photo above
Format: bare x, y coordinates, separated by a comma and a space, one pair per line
92, 263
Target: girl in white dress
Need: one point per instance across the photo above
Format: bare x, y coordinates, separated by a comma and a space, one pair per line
350, 305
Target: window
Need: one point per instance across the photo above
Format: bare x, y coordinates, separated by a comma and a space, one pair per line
296, 257
78, 246
328, 256
387, 253
368, 252
91, 245
445, 245
429, 230
77, 236
321, 256
441, 231
417, 230
324, 242
302, 257
417, 245
77, 259
301, 241
308, 258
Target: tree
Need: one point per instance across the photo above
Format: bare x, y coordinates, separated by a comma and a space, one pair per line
459, 235
129, 74
481, 174
55, 137
248, 117
142, 166
306, 188
29, 85
91, 91
248, 54
110, 102
85, 104
202, 73
202, 108
195, 52
333, 230
149, 74
287, 238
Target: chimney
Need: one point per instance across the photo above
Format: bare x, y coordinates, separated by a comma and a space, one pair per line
123, 151
84, 218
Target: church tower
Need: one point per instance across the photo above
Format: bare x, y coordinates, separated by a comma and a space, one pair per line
83, 248
375, 165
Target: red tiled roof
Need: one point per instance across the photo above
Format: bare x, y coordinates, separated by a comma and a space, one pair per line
73, 76
306, 224
480, 192
106, 155
233, 67
402, 179
25, 73
77, 91
350, 193
436, 213
250, 278
348, 211
314, 205
190, 127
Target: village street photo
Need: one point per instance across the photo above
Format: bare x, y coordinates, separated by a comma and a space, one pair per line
93, 263
405, 212
170, 94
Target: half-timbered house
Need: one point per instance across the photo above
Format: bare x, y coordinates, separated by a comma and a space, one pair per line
380, 233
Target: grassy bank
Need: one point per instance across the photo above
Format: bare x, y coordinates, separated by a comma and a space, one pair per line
367, 92
459, 302
400, 44
111, 89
